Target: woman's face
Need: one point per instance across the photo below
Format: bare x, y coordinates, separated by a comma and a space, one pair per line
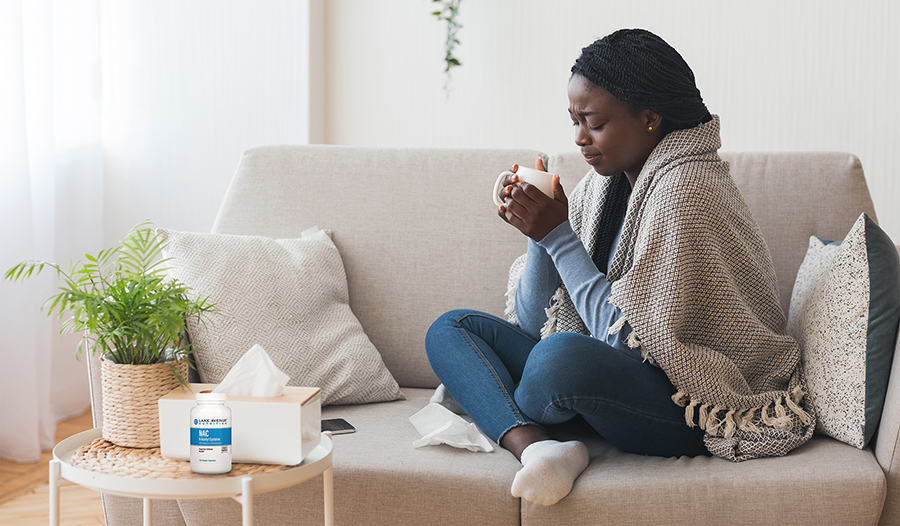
613, 137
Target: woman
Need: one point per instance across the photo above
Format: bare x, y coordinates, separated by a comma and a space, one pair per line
646, 302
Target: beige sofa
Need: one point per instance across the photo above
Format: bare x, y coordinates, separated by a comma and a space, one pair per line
419, 236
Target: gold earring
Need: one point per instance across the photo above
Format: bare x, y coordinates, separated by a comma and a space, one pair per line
650, 128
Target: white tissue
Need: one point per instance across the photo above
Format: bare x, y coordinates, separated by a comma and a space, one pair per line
253, 375
439, 425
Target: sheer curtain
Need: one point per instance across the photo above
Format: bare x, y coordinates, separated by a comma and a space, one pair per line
50, 205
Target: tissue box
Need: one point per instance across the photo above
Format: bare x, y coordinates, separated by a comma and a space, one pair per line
278, 430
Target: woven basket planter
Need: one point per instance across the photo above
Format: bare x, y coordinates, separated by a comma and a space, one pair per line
130, 400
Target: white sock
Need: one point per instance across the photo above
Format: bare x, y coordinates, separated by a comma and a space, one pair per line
549, 469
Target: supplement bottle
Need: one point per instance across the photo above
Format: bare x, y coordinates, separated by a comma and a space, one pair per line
210, 434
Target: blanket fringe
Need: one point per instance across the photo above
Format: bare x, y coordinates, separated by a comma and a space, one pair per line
680, 398
617, 326
793, 402
735, 420
549, 328
779, 409
704, 414
713, 423
782, 420
689, 414
764, 416
632, 341
510, 311
729, 424
779, 420
645, 354
746, 423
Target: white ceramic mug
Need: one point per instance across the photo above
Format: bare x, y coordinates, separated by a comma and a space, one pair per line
543, 180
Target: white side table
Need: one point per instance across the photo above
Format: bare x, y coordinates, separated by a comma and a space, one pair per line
240, 488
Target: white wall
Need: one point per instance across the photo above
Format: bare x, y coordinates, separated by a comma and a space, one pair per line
800, 75
187, 87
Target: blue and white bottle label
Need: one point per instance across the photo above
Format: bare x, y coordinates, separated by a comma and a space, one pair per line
202, 436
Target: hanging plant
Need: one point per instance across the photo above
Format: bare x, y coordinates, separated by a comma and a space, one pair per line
447, 13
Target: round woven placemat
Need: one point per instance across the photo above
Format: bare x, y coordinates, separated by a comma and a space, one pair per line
105, 457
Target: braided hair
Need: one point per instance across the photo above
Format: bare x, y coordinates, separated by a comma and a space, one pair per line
640, 68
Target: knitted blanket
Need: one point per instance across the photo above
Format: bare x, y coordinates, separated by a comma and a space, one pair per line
693, 277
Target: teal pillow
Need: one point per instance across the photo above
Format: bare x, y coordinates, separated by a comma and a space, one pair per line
844, 312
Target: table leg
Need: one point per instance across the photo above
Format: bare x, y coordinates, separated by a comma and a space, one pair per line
247, 501
148, 512
54, 492
328, 483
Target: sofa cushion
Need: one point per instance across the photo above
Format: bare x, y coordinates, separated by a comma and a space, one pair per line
287, 295
844, 313
381, 479
822, 482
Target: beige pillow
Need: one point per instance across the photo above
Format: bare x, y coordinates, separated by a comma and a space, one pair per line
844, 312
291, 297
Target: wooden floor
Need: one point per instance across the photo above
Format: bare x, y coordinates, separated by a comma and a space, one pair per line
24, 490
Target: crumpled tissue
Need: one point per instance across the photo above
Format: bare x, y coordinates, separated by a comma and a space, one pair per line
439, 425
253, 375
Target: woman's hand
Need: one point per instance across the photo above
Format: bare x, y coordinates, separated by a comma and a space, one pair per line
507, 183
528, 209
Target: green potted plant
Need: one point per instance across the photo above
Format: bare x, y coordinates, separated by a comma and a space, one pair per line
135, 317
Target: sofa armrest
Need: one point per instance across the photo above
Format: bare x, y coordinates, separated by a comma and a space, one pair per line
887, 443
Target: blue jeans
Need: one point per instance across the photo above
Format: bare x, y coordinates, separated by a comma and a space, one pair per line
503, 378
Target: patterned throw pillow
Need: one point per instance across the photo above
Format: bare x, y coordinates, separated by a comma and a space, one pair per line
844, 313
288, 295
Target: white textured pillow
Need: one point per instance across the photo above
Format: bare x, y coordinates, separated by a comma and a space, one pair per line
844, 312
291, 297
